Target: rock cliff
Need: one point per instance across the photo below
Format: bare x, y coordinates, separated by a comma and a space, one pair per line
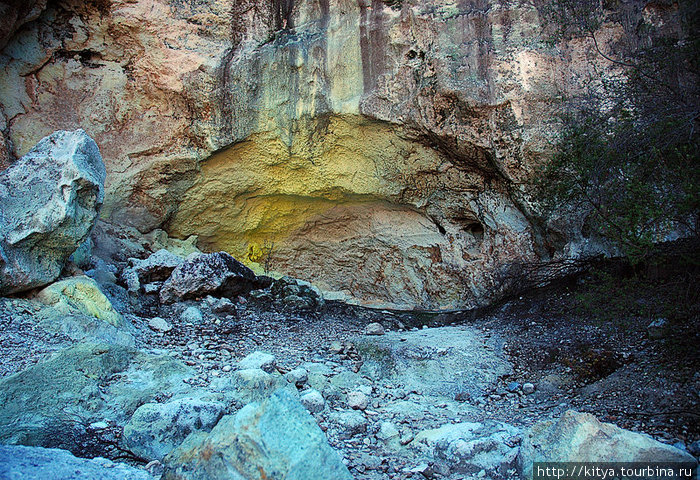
377, 148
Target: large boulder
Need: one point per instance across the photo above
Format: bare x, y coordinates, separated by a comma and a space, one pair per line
580, 437
276, 438
157, 267
217, 274
36, 463
49, 202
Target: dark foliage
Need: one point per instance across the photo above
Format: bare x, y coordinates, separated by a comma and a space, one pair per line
629, 150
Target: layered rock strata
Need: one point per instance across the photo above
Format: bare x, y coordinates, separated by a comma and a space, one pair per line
376, 148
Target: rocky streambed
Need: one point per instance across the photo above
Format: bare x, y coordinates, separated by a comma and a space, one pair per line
203, 387
139, 356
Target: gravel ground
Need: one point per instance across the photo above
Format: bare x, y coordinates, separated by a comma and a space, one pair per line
575, 360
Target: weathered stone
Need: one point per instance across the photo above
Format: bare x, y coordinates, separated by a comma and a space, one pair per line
580, 437
513, 387
276, 438
313, 401
297, 376
411, 360
191, 315
357, 400
216, 274
36, 463
374, 329
82, 295
49, 201
78, 308
155, 429
221, 305
182, 248
263, 361
131, 280
157, 267
159, 325
389, 435
410, 154
348, 423
296, 295
90, 382
528, 388
472, 447
335, 347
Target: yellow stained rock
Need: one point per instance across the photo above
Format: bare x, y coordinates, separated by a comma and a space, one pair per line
80, 294
265, 190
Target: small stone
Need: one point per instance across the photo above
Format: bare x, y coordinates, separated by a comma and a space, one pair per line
374, 329
513, 387
98, 426
357, 400
298, 376
159, 325
152, 288
313, 401
406, 438
192, 315
528, 388
366, 389
336, 347
223, 305
263, 361
389, 435
423, 469
656, 329
226, 368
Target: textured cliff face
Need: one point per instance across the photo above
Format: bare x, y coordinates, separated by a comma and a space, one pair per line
379, 146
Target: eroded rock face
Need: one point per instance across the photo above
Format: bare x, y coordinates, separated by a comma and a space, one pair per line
377, 148
49, 202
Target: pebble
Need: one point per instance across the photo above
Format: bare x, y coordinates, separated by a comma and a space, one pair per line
357, 400
374, 329
528, 388
263, 361
298, 376
159, 325
313, 401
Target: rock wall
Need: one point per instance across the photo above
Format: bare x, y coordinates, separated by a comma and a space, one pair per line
377, 148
